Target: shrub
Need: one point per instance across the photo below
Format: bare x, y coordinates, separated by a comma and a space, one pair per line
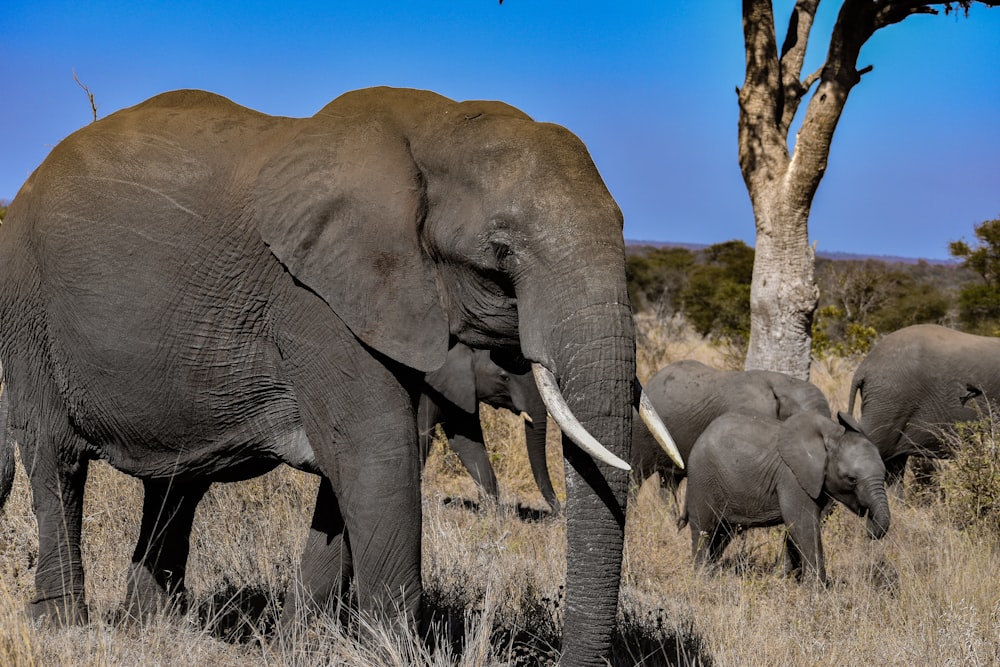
656, 278
971, 481
979, 304
832, 335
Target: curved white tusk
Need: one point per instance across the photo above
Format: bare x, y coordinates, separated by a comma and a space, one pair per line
656, 425
526, 417
570, 425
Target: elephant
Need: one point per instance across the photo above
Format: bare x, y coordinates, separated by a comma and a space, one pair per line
451, 398
6, 453
688, 395
917, 380
194, 291
748, 471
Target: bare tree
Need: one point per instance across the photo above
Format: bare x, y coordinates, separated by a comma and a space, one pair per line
858, 288
782, 183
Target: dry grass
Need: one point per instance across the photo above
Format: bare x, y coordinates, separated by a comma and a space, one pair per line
927, 594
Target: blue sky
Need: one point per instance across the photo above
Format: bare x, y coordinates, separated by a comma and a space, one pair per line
649, 86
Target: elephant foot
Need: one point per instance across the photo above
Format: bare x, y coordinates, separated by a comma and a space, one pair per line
61, 611
147, 597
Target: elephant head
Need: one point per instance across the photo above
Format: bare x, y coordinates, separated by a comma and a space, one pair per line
839, 460
421, 221
469, 375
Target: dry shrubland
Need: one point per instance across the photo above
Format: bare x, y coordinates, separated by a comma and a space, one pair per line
927, 594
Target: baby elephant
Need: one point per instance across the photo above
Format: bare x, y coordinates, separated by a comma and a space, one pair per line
748, 471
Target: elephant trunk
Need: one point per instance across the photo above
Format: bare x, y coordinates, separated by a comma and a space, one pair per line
595, 367
875, 500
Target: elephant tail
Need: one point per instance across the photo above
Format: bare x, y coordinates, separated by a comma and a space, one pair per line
857, 384
6, 446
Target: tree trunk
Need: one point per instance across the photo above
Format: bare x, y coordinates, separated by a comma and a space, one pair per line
783, 293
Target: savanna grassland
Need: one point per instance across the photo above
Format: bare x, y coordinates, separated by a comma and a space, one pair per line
927, 594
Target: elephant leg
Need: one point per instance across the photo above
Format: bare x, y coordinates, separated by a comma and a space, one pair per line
465, 435
159, 563
720, 539
534, 438
793, 558
802, 516
358, 412
57, 484
704, 537
380, 500
895, 468
326, 567
428, 417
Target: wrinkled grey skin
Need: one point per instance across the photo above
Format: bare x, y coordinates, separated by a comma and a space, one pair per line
6, 453
917, 380
196, 292
688, 396
747, 471
451, 397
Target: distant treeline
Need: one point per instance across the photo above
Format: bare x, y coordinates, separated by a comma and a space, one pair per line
859, 300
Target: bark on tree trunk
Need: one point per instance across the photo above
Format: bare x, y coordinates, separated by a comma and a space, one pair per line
783, 293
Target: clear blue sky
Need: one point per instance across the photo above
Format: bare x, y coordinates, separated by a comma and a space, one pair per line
649, 86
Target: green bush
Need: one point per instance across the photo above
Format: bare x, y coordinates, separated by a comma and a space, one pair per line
979, 304
716, 300
833, 335
709, 287
979, 309
971, 481
656, 277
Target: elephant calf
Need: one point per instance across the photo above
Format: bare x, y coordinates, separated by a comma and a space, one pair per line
451, 396
748, 471
688, 396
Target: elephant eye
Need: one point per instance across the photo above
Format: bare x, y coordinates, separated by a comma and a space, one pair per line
852, 480
502, 253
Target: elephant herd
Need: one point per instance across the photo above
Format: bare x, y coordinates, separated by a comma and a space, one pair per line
735, 431
195, 292
760, 450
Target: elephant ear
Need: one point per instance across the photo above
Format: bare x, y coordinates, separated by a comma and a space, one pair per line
340, 205
456, 379
802, 446
847, 421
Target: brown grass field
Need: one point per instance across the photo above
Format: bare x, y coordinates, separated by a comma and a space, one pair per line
927, 594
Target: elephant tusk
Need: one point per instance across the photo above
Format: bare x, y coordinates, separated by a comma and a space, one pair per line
526, 417
656, 425
570, 425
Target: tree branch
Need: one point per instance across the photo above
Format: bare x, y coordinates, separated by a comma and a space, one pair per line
90, 95
760, 137
793, 53
811, 79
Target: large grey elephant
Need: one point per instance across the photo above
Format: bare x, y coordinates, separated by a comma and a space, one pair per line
688, 395
748, 471
194, 291
917, 380
451, 397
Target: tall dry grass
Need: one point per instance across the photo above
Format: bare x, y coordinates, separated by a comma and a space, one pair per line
927, 594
